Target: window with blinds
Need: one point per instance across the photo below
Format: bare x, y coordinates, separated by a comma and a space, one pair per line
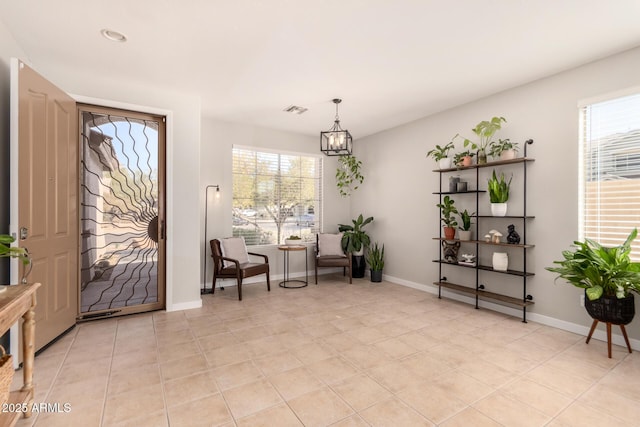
276, 195
610, 170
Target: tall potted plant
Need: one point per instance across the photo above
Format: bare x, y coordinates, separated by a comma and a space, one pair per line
498, 194
448, 210
354, 240
607, 275
485, 130
375, 259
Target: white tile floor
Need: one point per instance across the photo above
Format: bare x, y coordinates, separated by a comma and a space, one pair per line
333, 354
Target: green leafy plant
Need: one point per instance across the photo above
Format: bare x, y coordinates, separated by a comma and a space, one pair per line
353, 237
457, 158
8, 251
448, 210
498, 188
465, 217
294, 237
375, 257
349, 175
496, 148
600, 270
485, 131
439, 152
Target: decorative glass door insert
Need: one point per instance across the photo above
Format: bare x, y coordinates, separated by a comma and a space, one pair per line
121, 212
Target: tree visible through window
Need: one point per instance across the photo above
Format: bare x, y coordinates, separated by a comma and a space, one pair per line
610, 170
275, 195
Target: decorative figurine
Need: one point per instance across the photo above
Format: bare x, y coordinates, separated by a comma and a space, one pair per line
450, 251
513, 237
495, 236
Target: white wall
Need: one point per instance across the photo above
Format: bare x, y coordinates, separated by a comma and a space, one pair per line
218, 139
400, 179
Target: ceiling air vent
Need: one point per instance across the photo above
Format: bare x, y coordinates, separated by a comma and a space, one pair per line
294, 109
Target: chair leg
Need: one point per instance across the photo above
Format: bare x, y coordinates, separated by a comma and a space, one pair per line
239, 279
213, 284
316, 271
268, 283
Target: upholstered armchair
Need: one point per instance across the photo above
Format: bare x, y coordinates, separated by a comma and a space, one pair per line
329, 253
231, 261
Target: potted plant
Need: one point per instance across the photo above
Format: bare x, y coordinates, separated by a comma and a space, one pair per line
8, 251
607, 275
448, 210
464, 158
375, 259
293, 240
485, 131
348, 175
504, 149
498, 194
440, 154
354, 240
464, 231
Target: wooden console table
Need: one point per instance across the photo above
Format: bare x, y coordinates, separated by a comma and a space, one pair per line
15, 302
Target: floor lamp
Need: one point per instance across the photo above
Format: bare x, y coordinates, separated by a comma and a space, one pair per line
206, 214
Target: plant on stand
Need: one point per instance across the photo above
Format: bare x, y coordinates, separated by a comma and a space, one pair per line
498, 194
448, 210
440, 155
354, 240
464, 231
485, 131
348, 175
504, 149
375, 259
608, 277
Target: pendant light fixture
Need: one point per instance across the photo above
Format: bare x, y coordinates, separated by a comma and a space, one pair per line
336, 141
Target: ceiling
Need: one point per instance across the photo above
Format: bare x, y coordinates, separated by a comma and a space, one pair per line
391, 61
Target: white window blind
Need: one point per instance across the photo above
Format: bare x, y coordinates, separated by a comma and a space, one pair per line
610, 170
276, 195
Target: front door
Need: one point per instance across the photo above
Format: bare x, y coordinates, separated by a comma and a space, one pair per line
44, 203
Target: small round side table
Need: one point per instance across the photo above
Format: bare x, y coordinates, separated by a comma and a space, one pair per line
293, 248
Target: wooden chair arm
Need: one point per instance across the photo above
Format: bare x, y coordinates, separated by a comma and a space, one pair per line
266, 258
235, 261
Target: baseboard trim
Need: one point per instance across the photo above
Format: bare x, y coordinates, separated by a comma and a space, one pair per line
184, 305
600, 335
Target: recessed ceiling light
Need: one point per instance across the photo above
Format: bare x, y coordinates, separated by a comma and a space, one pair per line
113, 35
295, 109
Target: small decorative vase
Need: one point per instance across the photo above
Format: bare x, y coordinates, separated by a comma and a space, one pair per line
453, 183
462, 187
444, 163
500, 261
498, 209
464, 235
482, 157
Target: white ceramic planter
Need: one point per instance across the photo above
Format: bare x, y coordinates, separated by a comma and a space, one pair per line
444, 163
508, 155
293, 242
464, 234
500, 261
498, 209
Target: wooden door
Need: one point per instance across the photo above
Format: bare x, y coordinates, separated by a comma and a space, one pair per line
44, 203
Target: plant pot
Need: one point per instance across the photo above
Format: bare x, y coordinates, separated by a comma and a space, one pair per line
359, 266
376, 276
464, 234
498, 209
466, 161
444, 163
508, 154
449, 233
293, 242
500, 261
611, 309
482, 157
